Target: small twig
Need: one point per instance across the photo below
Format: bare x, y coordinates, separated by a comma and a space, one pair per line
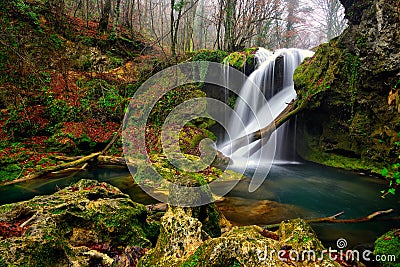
28, 221
113, 140
22, 171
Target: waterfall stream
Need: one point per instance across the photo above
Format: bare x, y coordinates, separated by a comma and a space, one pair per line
262, 98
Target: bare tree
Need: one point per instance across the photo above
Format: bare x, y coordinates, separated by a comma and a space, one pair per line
328, 18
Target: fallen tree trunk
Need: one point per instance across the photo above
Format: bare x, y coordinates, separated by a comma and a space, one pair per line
333, 219
54, 168
71, 166
265, 133
66, 158
72, 169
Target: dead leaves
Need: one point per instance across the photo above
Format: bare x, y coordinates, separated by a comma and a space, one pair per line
394, 98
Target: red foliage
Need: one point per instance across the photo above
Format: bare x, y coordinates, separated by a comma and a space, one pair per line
73, 188
269, 234
8, 230
3, 135
105, 248
36, 114
87, 28
94, 129
36, 141
63, 87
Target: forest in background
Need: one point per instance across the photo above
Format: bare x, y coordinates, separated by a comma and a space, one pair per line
230, 25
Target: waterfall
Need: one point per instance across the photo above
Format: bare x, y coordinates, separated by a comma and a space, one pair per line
262, 98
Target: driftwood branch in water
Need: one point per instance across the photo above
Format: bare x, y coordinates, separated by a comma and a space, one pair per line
265, 133
334, 219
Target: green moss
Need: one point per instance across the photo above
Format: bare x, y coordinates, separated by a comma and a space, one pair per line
389, 244
88, 206
243, 60
310, 149
10, 172
209, 55
236, 60
6, 208
339, 127
3, 262
173, 174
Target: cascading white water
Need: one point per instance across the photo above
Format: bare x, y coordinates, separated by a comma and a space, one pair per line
274, 77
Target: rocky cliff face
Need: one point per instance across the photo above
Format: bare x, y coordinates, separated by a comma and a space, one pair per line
353, 85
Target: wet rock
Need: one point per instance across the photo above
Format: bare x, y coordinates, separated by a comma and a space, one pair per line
89, 223
180, 244
130, 257
180, 235
157, 207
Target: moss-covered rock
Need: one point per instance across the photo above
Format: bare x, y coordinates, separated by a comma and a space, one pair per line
388, 245
209, 55
349, 122
163, 174
180, 235
242, 60
241, 246
249, 246
80, 225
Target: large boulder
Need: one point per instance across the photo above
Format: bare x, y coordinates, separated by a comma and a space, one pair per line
87, 224
181, 244
352, 85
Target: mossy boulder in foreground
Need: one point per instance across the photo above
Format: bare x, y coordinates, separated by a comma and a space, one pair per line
181, 244
87, 224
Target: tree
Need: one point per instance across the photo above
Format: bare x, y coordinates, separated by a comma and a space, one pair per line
291, 21
240, 21
329, 18
105, 16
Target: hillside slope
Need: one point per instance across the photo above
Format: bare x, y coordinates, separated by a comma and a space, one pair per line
63, 85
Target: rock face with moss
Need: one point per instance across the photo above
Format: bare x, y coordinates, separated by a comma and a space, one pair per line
181, 243
352, 85
86, 224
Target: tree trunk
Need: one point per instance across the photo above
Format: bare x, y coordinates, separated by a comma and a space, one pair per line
105, 15
265, 133
117, 13
55, 168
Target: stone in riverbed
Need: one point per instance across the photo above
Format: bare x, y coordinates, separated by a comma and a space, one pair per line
85, 224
